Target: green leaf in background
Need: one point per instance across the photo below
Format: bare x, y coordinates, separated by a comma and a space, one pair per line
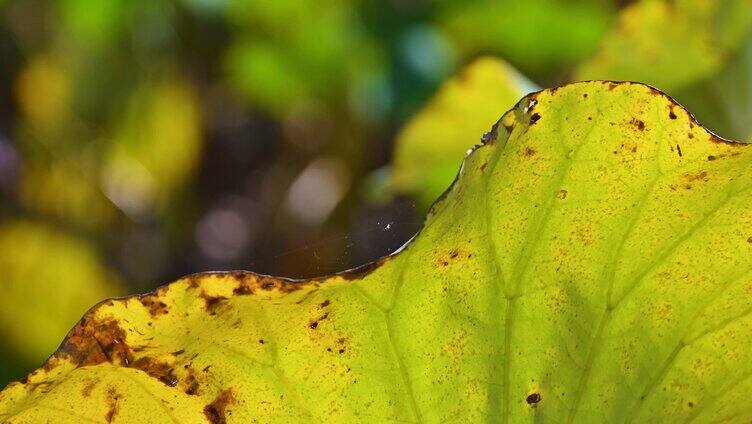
539, 37
278, 70
429, 149
592, 263
670, 44
49, 280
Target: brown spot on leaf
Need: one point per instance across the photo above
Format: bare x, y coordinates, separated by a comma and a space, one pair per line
313, 325
534, 118
718, 140
154, 304
711, 157
640, 125
215, 411
561, 194
678, 150
193, 387
212, 302
93, 342
242, 290
671, 114
324, 304
160, 370
112, 405
533, 399
190, 383
584, 95
194, 280
528, 152
86, 391
612, 85
702, 175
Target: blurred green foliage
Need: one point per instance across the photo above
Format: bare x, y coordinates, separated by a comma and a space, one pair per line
141, 140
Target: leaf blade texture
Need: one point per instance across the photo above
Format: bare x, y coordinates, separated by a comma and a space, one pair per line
592, 262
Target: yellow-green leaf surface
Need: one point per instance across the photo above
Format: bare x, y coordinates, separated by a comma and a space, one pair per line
429, 149
591, 263
670, 44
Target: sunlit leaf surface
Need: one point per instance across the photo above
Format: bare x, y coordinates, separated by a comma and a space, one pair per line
592, 263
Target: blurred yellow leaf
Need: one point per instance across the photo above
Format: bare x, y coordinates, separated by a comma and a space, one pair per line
48, 280
453, 121
43, 91
669, 44
59, 189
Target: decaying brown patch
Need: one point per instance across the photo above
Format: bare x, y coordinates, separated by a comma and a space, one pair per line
215, 411
313, 324
457, 253
701, 175
160, 370
112, 405
528, 152
93, 342
211, 302
249, 283
533, 398
637, 123
88, 387
154, 304
191, 384
718, 140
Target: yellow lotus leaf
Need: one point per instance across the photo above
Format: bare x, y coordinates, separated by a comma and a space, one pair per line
592, 262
